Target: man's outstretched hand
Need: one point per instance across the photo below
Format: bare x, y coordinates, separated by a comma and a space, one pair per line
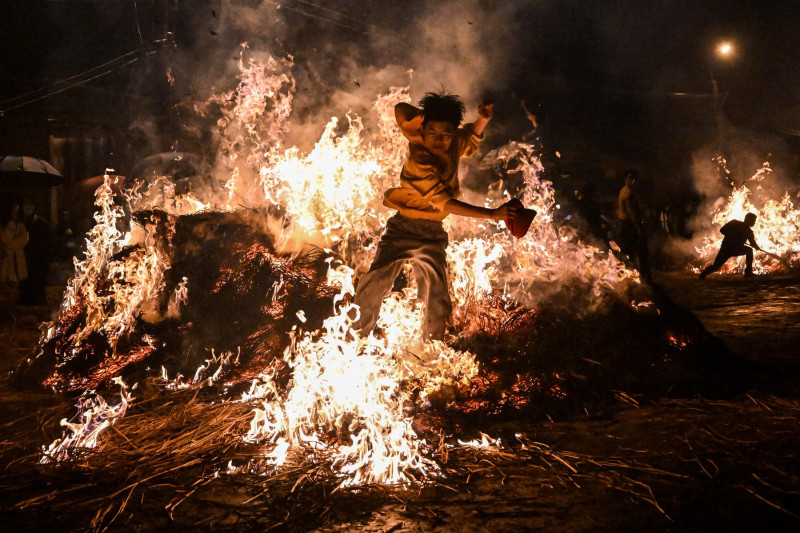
486, 109
508, 211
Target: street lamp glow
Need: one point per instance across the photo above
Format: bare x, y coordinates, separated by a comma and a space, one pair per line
725, 49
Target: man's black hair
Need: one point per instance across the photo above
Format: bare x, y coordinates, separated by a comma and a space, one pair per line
442, 107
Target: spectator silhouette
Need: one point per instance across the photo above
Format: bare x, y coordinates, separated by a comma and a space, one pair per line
588, 208
14, 237
37, 256
737, 233
632, 233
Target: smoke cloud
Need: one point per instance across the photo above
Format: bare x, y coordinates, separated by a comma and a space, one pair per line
344, 54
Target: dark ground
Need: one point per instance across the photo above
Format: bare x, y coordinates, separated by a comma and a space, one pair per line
681, 464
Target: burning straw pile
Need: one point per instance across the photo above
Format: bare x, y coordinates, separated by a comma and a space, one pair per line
233, 348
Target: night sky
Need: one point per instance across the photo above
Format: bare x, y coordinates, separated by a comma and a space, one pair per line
629, 78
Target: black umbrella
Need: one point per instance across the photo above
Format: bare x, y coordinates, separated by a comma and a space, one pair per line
28, 172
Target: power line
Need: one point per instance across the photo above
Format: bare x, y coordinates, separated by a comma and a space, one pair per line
330, 15
69, 82
64, 85
318, 17
325, 14
65, 80
329, 10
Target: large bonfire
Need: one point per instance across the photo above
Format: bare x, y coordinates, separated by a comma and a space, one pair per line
241, 287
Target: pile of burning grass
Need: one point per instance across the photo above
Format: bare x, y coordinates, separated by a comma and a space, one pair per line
178, 458
244, 300
551, 364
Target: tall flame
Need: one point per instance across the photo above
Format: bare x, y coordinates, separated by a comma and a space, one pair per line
115, 280
346, 385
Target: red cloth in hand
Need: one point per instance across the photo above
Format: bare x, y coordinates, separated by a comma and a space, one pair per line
520, 225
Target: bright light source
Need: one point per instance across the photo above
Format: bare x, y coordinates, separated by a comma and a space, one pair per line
725, 49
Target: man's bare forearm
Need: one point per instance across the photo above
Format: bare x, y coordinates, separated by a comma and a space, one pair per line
457, 207
409, 118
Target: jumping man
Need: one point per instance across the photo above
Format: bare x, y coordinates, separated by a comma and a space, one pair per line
428, 192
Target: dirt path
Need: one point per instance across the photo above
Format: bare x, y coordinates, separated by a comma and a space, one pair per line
758, 318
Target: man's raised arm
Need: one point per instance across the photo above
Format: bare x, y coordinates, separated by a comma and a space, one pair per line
485, 113
409, 118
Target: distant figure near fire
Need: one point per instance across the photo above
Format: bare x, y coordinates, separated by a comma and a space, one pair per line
736, 233
428, 192
632, 233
